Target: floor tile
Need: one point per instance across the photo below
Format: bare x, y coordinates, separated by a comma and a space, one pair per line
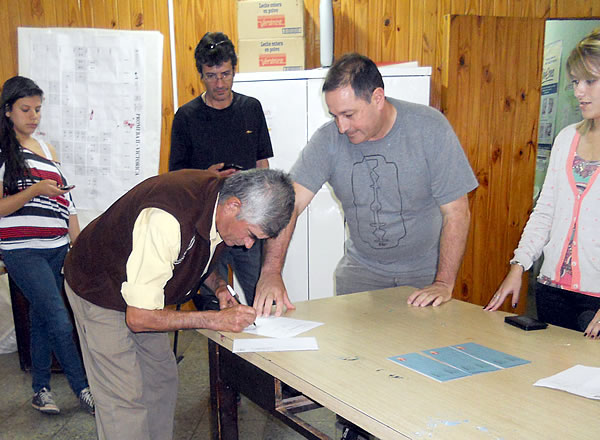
19, 421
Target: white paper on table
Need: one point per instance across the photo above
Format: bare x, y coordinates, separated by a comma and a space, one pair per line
581, 380
274, 344
280, 327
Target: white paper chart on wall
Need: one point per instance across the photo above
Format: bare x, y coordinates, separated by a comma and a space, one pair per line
101, 109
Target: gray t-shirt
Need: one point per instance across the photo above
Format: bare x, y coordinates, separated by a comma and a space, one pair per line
391, 189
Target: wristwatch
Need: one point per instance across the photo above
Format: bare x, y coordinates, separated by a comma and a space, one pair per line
513, 262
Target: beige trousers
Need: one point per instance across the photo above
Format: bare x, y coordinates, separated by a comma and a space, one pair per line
133, 376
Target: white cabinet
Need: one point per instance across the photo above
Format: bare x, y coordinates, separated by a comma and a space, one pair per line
295, 108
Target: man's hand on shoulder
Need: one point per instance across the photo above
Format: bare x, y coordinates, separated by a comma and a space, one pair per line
216, 168
435, 294
271, 288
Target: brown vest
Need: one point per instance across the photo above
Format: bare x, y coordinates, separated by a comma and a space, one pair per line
95, 266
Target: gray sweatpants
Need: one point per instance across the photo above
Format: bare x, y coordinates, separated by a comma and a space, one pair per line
352, 277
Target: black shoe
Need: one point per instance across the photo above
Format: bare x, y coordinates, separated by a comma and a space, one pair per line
86, 401
349, 434
350, 431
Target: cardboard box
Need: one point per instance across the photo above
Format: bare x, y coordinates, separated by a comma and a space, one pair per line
270, 19
271, 54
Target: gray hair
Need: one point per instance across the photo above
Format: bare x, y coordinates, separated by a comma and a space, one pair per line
267, 198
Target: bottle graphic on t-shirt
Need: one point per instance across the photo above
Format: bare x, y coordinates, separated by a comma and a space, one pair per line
378, 202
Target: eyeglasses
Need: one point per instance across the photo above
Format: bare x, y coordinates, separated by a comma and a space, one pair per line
214, 77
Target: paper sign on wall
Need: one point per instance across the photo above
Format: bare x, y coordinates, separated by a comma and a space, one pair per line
102, 106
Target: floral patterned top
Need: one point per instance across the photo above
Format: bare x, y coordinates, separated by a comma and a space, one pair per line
582, 172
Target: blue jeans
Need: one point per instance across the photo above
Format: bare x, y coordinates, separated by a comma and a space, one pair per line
37, 272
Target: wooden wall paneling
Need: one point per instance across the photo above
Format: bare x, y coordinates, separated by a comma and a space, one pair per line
489, 101
221, 16
524, 139
500, 8
136, 14
224, 16
465, 7
192, 20
500, 160
430, 46
475, 7
312, 36
554, 8
374, 21
402, 30
187, 18
456, 7
430, 28
455, 50
441, 54
86, 10
69, 14
469, 76
104, 14
9, 16
150, 20
542, 8
389, 52
156, 16
32, 13
343, 18
510, 163
47, 12
521, 8
124, 14
362, 32
416, 30
482, 271
573, 8
489, 239
485, 8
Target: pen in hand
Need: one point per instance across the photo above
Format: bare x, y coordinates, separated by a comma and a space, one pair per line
237, 298
235, 295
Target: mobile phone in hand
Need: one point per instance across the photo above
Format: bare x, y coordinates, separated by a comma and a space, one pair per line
231, 166
66, 187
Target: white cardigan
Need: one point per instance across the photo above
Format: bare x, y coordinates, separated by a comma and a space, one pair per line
558, 207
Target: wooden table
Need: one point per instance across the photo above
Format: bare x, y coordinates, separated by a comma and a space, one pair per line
351, 375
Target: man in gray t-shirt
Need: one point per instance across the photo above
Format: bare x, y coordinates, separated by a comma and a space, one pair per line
402, 179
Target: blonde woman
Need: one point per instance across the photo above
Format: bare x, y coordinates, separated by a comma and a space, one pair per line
565, 224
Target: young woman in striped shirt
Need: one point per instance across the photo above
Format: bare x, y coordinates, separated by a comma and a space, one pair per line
37, 222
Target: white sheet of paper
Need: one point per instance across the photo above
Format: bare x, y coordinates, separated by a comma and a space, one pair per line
280, 327
274, 344
581, 380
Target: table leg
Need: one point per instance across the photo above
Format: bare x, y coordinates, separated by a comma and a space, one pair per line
230, 375
223, 399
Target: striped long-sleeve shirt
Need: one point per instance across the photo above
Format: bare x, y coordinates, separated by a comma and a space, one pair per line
43, 222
